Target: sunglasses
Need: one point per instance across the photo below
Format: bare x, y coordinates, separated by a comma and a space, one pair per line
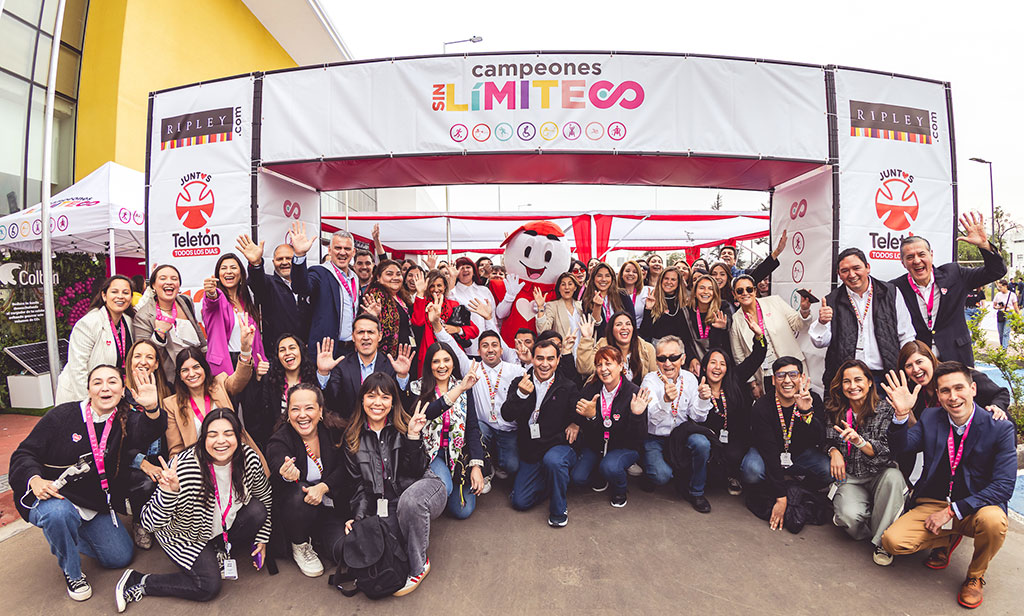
673, 358
743, 290
791, 375
577, 270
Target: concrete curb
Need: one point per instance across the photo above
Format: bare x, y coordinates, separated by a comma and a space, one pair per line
14, 528
1020, 457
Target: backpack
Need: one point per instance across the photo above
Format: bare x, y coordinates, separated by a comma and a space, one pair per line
374, 553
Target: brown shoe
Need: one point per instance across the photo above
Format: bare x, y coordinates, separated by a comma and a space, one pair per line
939, 557
971, 592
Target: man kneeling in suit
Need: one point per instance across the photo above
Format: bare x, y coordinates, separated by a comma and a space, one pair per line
970, 465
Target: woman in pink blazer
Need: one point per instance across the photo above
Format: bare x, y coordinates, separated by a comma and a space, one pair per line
226, 301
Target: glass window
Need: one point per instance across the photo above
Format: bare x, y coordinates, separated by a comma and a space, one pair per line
42, 59
25, 9
63, 144
73, 30
13, 114
16, 49
67, 72
49, 17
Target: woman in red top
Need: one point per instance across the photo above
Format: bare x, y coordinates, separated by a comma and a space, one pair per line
433, 288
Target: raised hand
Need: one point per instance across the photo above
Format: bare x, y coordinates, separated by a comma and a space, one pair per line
325, 361
513, 285
671, 391
805, 306
417, 421
523, 351
482, 308
638, 403
169, 476
704, 390
973, 224
781, 245
804, 401
753, 324
376, 233
900, 396
300, 242
371, 304
145, 390
720, 320
431, 260
538, 298
252, 251
434, 314
848, 434
420, 282
246, 333
649, 301
288, 470
471, 377
526, 385
210, 287
587, 324
587, 408
403, 362
824, 313
569, 342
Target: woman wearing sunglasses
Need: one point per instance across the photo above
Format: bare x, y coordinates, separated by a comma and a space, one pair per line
779, 322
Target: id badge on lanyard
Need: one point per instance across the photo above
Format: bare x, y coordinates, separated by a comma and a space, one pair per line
229, 570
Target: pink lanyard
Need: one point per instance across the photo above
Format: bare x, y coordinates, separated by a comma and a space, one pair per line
195, 408
849, 422
931, 297
224, 511
606, 410
344, 282
703, 333
118, 330
446, 420
954, 461
173, 319
98, 448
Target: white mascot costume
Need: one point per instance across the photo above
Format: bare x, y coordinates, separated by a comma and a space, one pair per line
535, 255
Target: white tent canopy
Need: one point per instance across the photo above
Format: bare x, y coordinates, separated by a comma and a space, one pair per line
103, 208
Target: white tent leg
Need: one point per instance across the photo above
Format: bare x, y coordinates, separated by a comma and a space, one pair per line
111, 253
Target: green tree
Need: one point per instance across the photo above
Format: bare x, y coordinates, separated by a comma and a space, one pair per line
1009, 361
717, 205
1004, 226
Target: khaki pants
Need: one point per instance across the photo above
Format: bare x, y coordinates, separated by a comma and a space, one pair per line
987, 526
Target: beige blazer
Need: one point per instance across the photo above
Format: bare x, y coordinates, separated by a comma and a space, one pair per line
783, 325
181, 429
588, 348
91, 344
556, 317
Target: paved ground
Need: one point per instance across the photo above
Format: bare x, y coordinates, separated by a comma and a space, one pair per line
655, 556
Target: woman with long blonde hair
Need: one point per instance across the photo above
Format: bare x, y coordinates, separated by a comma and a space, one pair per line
707, 322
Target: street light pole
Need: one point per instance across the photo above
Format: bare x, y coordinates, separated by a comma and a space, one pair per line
472, 39
991, 193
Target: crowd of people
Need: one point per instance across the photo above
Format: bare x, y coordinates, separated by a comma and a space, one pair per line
298, 406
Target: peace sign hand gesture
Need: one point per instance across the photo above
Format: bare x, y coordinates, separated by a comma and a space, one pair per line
168, 481
417, 421
325, 361
649, 301
900, 396
638, 403
246, 332
848, 434
704, 390
804, 401
471, 377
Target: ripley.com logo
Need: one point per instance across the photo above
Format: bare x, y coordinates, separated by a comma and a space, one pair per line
194, 208
897, 206
199, 127
883, 121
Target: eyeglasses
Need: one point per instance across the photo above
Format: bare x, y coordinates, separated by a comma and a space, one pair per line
791, 375
664, 358
743, 290
577, 270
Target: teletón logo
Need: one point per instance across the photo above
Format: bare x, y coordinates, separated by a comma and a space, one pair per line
884, 121
194, 205
896, 202
199, 127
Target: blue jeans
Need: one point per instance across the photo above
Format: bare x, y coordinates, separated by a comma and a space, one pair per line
461, 503
1003, 327
700, 452
503, 447
612, 468
811, 463
655, 467
970, 313
535, 479
70, 536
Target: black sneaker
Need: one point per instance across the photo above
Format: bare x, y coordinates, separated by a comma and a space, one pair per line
78, 589
599, 487
735, 487
128, 589
700, 504
618, 500
558, 521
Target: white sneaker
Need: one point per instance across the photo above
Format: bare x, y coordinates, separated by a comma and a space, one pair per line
413, 581
500, 473
487, 485
79, 589
307, 560
635, 470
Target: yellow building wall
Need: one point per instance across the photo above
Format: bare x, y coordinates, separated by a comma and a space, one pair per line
133, 47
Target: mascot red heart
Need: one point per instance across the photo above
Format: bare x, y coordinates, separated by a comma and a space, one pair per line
535, 254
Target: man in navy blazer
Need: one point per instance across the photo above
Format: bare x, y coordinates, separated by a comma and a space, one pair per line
935, 296
970, 466
332, 288
340, 378
283, 310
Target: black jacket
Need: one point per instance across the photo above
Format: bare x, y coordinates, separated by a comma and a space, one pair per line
406, 462
766, 434
557, 411
60, 438
738, 399
261, 409
695, 346
628, 430
989, 393
343, 384
668, 324
286, 443
473, 447
953, 282
280, 311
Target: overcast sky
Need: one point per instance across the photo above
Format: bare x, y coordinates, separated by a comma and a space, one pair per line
977, 47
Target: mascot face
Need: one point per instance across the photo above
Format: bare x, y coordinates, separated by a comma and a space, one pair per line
535, 256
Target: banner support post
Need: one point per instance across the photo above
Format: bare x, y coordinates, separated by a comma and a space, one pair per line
111, 252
